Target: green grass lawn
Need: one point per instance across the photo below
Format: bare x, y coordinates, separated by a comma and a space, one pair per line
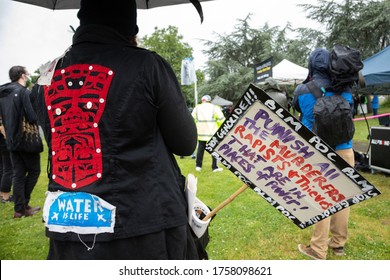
246, 229
249, 228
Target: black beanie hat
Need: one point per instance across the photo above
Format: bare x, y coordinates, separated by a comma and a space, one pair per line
118, 14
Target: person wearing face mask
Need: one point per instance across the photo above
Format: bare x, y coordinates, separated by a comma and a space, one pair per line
14, 105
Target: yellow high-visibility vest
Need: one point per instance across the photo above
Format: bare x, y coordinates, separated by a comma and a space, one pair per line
208, 118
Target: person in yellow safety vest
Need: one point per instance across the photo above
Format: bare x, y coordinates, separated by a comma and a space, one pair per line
208, 118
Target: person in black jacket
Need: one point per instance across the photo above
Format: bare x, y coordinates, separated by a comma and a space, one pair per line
113, 116
5, 170
14, 104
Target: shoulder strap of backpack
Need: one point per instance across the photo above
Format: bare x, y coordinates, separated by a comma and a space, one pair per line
315, 89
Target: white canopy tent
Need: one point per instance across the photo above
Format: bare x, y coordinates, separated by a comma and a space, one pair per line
288, 73
221, 101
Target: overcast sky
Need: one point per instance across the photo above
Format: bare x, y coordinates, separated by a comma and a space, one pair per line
31, 36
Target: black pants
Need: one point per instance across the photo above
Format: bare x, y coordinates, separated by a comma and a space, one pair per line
5, 172
26, 170
200, 153
171, 244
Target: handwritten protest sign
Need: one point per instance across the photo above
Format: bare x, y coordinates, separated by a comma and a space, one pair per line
285, 163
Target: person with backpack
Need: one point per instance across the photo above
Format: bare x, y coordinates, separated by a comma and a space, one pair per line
15, 104
318, 78
6, 169
321, 87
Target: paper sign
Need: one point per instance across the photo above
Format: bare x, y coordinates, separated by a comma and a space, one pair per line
284, 162
47, 70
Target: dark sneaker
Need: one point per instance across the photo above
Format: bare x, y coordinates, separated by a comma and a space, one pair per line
308, 251
338, 251
18, 215
25, 213
34, 209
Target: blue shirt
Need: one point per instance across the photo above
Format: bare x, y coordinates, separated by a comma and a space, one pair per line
375, 102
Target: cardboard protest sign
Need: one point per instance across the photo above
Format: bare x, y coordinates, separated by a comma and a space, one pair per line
284, 162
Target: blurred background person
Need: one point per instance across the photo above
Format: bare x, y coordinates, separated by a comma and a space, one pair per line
375, 105
208, 118
272, 88
15, 104
5, 169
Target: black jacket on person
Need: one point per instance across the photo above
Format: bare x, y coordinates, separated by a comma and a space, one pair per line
14, 104
135, 127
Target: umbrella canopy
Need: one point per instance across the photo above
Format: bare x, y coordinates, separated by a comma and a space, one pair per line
141, 4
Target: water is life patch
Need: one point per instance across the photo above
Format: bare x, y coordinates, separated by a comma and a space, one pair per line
78, 212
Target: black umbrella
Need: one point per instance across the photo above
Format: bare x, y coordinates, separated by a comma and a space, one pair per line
141, 4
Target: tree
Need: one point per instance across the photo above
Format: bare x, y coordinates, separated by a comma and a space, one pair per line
168, 43
298, 48
361, 24
233, 56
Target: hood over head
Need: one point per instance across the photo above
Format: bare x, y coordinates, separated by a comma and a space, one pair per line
318, 64
120, 15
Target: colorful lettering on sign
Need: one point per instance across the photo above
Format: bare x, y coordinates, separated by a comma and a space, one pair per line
284, 162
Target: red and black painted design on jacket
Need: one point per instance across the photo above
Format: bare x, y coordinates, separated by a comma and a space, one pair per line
75, 102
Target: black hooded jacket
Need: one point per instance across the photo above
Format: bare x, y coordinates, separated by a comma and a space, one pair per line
143, 123
14, 104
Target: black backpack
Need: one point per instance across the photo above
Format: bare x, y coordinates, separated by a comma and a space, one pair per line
344, 66
333, 120
333, 114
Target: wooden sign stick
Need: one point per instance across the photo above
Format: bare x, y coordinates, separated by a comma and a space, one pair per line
226, 202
